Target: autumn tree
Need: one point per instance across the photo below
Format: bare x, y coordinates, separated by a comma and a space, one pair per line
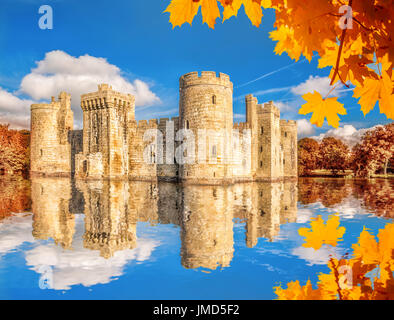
308, 156
375, 151
14, 151
353, 38
14, 196
376, 195
334, 155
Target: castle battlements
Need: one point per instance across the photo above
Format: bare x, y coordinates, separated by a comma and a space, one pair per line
290, 123
241, 126
106, 97
113, 144
206, 77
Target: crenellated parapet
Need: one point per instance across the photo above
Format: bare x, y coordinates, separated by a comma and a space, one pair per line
288, 123
106, 97
204, 78
241, 126
269, 107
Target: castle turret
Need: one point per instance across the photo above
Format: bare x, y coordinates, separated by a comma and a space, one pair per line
289, 144
50, 148
267, 155
106, 114
206, 111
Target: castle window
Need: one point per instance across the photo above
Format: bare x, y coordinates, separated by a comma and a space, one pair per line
213, 99
261, 149
261, 164
262, 130
214, 152
284, 161
187, 124
214, 174
41, 153
285, 134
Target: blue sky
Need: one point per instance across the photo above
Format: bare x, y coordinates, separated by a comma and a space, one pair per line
145, 54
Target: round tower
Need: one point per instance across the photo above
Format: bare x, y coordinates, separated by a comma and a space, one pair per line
50, 149
205, 108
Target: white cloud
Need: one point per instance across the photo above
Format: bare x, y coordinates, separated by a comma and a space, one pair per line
84, 266
14, 110
70, 267
304, 128
317, 257
316, 83
59, 71
15, 231
348, 134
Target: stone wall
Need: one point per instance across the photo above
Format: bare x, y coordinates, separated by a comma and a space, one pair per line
50, 148
289, 143
266, 151
106, 115
206, 105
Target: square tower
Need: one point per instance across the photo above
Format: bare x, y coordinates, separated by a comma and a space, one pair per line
266, 153
106, 117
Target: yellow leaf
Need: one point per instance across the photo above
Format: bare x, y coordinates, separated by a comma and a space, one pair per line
182, 11
322, 233
210, 12
374, 90
329, 58
253, 11
232, 9
328, 108
286, 43
366, 249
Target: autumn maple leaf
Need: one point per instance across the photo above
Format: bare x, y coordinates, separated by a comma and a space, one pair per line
328, 108
374, 90
182, 11
322, 233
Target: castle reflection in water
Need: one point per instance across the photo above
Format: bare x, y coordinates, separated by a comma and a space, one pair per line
205, 214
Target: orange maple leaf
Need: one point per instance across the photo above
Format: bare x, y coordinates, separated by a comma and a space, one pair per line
322, 233
328, 108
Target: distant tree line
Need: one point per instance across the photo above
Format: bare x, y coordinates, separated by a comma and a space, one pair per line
14, 151
374, 153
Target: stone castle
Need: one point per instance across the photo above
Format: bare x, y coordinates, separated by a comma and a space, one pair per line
113, 144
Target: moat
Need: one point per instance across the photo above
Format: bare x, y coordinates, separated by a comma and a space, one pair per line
66, 239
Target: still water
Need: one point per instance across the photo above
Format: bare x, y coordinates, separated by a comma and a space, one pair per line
62, 239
